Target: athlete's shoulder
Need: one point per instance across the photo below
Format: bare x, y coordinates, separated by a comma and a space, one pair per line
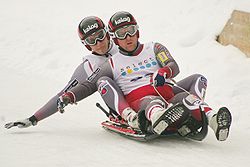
87, 57
149, 45
93, 57
158, 47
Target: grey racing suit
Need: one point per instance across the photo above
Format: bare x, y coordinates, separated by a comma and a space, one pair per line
87, 67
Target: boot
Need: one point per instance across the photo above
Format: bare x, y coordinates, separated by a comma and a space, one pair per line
220, 123
131, 117
164, 118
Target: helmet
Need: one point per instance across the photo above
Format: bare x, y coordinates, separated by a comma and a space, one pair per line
118, 20
88, 26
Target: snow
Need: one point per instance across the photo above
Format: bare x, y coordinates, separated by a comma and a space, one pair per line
39, 50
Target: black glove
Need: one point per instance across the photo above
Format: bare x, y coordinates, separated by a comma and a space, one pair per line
160, 76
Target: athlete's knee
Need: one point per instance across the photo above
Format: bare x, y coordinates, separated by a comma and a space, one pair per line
178, 97
200, 85
155, 105
200, 78
103, 79
193, 103
157, 101
103, 84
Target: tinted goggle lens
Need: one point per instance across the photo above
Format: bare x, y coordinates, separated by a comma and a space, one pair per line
97, 36
121, 33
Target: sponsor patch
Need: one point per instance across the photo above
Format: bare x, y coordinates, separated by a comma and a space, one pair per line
94, 74
144, 64
204, 81
192, 99
72, 84
121, 20
102, 88
162, 57
90, 27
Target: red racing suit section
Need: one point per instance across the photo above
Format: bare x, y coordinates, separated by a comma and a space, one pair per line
133, 97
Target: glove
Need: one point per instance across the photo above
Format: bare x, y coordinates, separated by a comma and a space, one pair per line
65, 99
159, 77
22, 123
131, 117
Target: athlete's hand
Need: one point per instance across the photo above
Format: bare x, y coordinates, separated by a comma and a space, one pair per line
160, 76
65, 99
22, 123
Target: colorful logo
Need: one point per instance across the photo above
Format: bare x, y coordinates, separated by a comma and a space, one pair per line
204, 81
102, 88
137, 67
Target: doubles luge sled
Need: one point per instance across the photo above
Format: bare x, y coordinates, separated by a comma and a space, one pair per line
190, 128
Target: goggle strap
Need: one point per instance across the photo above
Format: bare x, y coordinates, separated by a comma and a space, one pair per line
112, 34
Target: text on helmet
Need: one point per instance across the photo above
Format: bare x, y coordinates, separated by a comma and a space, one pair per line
90, 28
121, 20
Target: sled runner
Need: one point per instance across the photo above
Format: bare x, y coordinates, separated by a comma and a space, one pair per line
190, 128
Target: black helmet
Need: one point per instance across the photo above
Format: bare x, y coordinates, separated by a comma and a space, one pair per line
120, 19
88, 26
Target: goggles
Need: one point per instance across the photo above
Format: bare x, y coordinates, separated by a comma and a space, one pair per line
130, 30
96, 36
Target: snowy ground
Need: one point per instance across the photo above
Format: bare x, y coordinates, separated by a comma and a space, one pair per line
39, 49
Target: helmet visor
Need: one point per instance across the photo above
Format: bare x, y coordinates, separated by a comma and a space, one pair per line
122, 32
96, 36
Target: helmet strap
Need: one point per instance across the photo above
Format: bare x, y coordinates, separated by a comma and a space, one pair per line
88, 47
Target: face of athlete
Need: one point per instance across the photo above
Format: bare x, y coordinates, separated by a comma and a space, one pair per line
98, 41
101, 47
129, 43
127, 37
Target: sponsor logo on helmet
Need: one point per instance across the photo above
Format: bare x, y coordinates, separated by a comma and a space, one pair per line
121, 20
90, 28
